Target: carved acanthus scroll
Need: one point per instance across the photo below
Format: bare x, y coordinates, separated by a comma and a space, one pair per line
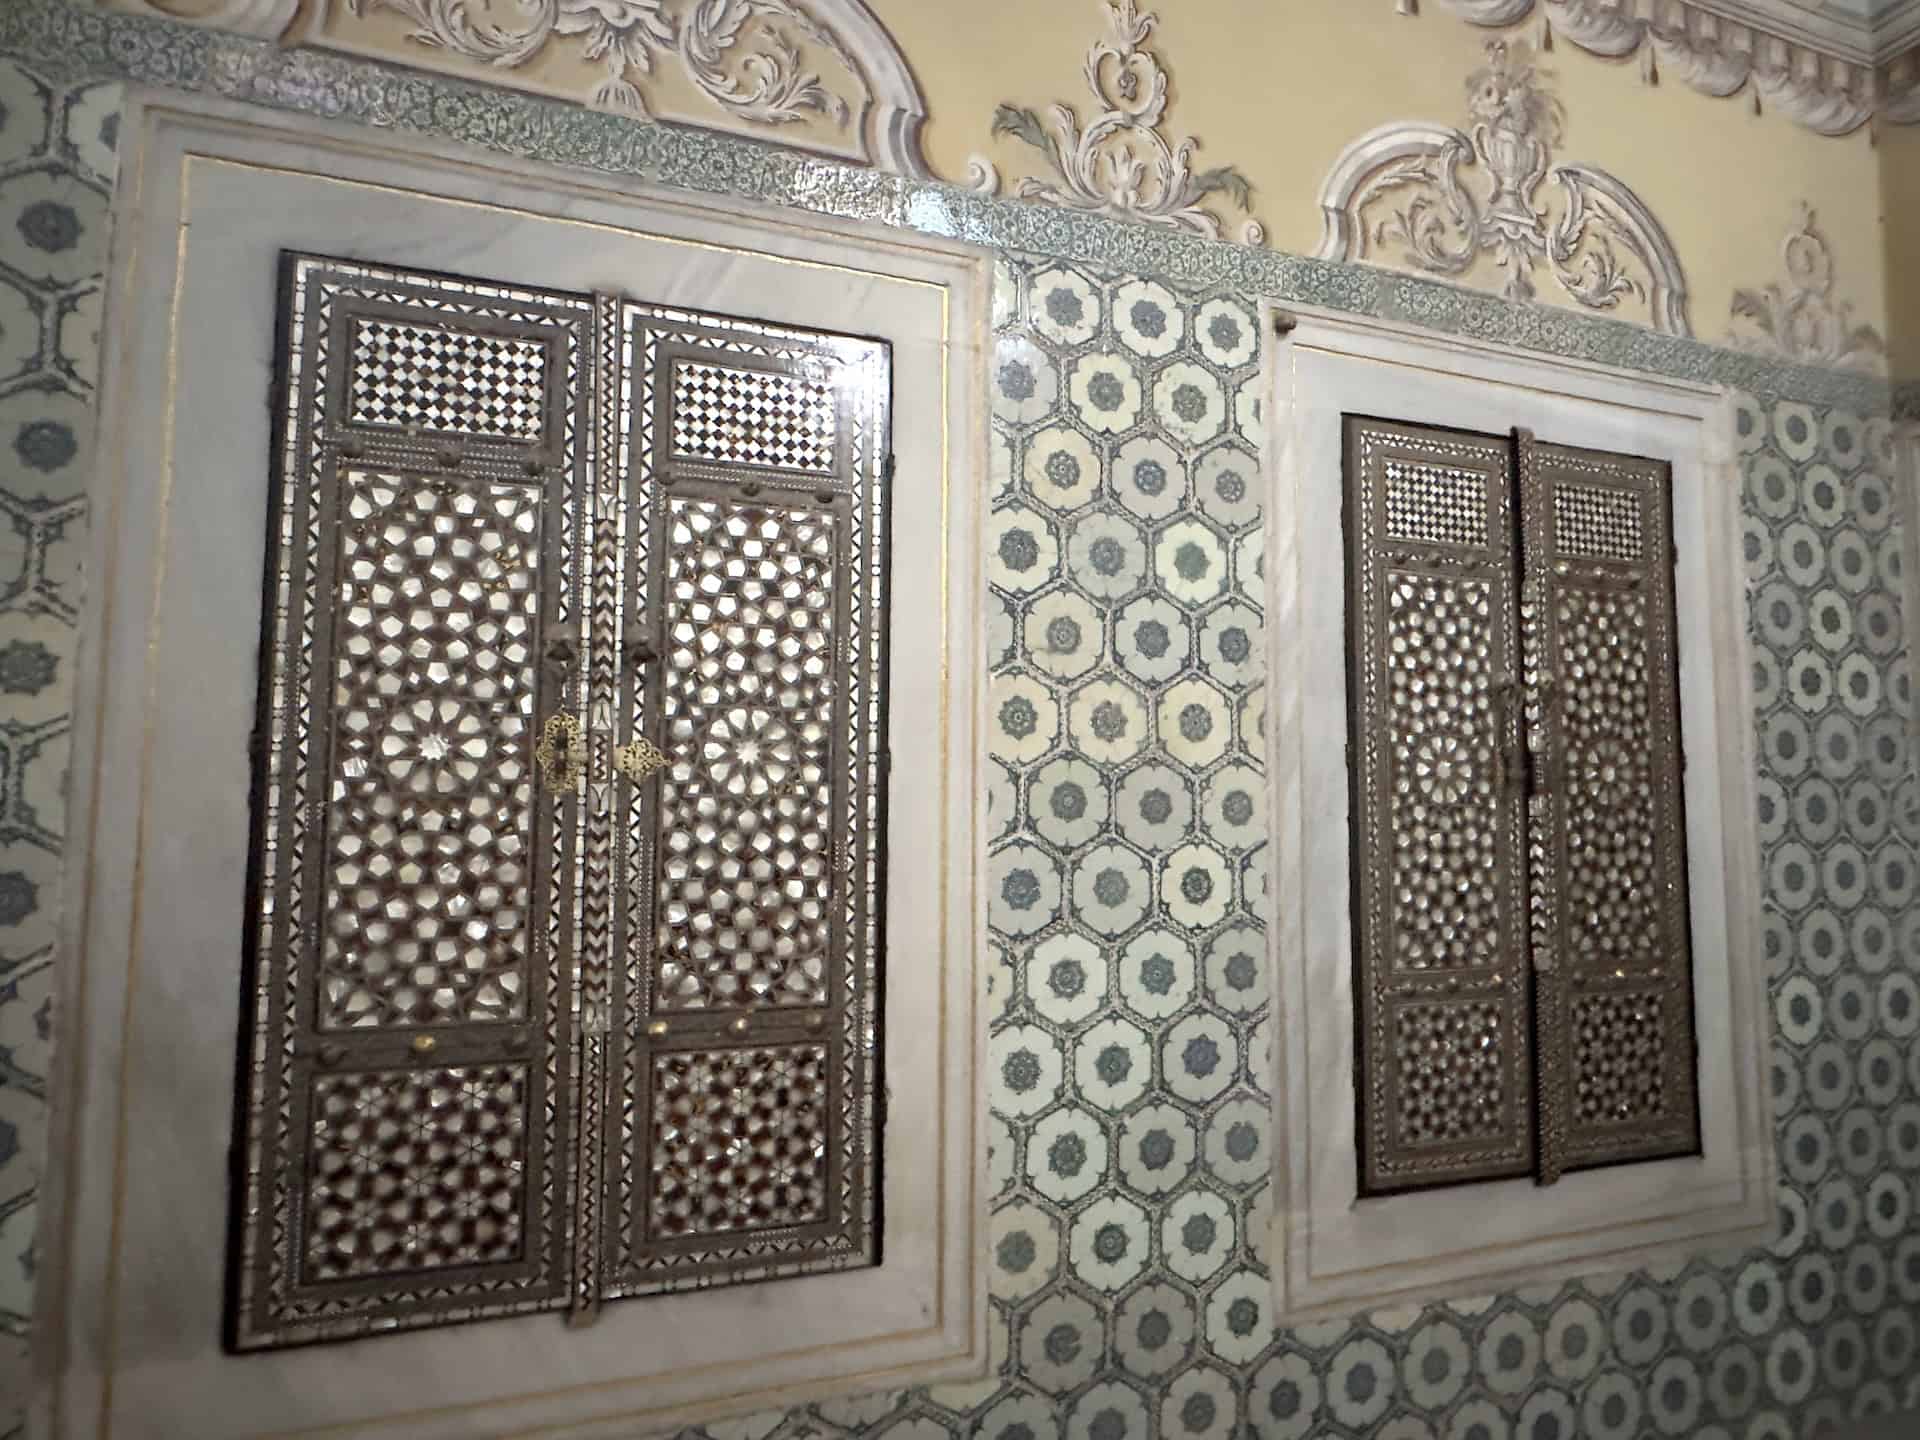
1120, 164
820, 73
1444, 199
1802, 321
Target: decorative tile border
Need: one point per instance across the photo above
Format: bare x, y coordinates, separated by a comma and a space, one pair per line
89, 44
57, 166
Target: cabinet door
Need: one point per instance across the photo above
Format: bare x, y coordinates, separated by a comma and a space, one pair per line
1445, 1068
756, 469
404, 1138
1607, 851
570, 807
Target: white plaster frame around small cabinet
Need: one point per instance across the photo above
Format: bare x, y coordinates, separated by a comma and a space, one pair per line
210, 194
1332, 1253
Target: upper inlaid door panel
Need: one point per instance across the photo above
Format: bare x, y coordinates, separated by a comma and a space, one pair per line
1440, 973
1608, 858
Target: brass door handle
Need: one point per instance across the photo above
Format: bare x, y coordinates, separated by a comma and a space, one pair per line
561, 753
1509, 764
563, 758
639, 760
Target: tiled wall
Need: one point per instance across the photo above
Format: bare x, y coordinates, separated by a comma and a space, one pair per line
1130, 1143
56, 170
1130, 1044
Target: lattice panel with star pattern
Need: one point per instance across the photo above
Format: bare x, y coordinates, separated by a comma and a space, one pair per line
739, 1140
1521, 960
416, 1170
1607, 837
430, 824
745, 893
409, 1095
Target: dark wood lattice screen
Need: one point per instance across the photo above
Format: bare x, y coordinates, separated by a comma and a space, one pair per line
1522, 975
1607, 857
563, 967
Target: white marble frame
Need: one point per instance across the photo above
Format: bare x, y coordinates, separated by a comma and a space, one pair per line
1332, 1253
131, 1291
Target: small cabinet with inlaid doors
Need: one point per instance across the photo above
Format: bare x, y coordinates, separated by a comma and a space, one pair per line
567, 869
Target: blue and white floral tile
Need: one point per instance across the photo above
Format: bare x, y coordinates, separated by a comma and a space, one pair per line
56, 172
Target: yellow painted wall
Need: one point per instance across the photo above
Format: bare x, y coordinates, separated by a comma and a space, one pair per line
1900, 204
1277, 88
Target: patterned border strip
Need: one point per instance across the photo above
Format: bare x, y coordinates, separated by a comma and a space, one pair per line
87, 44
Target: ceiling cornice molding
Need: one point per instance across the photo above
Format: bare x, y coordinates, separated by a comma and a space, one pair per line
1825, 28
1823, 68
1896, 32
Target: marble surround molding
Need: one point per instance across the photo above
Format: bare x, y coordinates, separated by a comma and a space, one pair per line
1329, 1254
89, 44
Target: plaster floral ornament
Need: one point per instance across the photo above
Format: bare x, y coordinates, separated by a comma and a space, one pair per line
1443, 200
1802, 321
1120, 163
824, 67
769, 84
